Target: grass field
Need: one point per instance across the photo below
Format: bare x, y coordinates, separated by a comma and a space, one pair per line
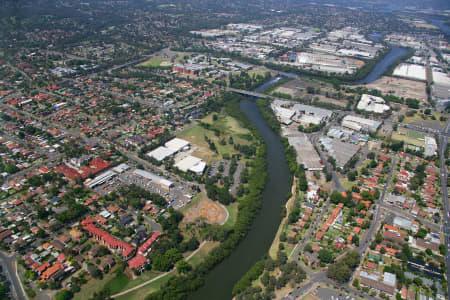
146, 290
346, 184
418, 117
202, 253
145, 276
232, 211
227, 125
118, 283
409, 137
94, 285
154, 62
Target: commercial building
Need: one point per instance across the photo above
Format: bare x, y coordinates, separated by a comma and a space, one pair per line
167, 184
340, 151
161, 153
410, 71
170, 148
430, 146
360, 124
191, 163
190, 70
306, 154
372, 104
100, 179
372, 280
177, 144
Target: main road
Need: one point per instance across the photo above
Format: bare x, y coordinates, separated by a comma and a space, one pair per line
8, 262
443, 140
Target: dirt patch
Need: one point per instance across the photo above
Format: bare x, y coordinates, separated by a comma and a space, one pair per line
210, 211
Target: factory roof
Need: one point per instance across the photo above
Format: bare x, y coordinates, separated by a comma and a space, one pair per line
161, 153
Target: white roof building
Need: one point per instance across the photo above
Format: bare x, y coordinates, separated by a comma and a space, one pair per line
191, 163
358, 123
430, 146
389, 279
308, 119
372, 104
155, 178
121, 168
161, 153
100, 179
176, 144
402, 222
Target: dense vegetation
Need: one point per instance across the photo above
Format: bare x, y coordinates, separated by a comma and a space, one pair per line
181, 285
342, 270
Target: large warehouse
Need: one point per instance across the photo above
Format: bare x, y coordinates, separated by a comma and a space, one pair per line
360, 124
170, 148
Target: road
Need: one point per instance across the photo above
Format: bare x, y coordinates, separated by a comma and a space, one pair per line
407, 215
9, 268
364, 243
155, 226
299, 247
446, 222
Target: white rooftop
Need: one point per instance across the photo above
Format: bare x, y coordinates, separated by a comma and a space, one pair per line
389, 278
153, 177
191, 163
176, 144
372, 103
161, 153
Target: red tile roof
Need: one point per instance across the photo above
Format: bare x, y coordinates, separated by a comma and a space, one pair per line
148, 243
137, 262
109, 240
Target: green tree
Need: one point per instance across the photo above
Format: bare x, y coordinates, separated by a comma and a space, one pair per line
183, 266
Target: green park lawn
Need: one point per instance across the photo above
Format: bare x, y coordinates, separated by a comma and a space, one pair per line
146, 290
227, 126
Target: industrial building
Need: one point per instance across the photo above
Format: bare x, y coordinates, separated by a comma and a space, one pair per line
288, 111
170, 148
101, 179
360, 124
372, 104
191, 163
167, 184
410, 71
430, 146
306, 154
340, 151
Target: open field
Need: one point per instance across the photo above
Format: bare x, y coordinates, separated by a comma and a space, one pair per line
227, 126
156, 62
118, 283
202, 253
145, 276
399, 87
146, 290
345, 183
324, 92
210, 211
94, 285
409, 137
426, 120
232, 212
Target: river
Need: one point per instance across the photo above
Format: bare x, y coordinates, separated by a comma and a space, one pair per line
220, 281
383, 64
